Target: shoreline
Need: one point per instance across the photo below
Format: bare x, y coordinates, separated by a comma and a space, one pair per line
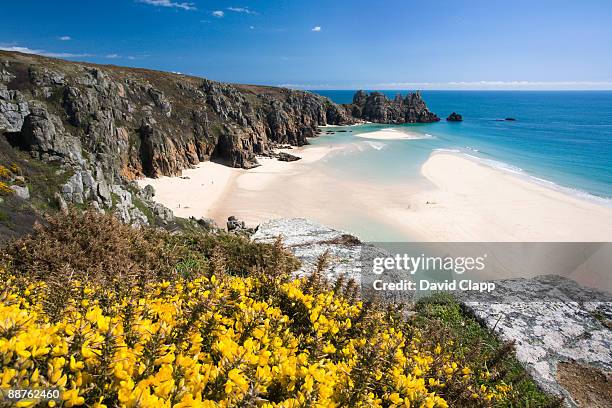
458, 199
393, 134
471, 201
202, 191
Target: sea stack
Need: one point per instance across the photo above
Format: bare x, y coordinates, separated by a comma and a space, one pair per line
454, 117
376, 107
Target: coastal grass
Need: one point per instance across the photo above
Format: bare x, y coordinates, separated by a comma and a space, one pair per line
43, 180
225, 316
444, 319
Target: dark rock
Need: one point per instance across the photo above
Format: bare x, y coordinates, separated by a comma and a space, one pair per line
376, 107
238, 227
207, 223
454, 117
146, 123
44, 134
282, 156
510, 119
148, 192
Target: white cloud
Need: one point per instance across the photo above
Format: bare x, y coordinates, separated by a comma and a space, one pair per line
65, 38
244, 10
252, 27
44, 53
218, 13
316, 29
169, 3
112, 56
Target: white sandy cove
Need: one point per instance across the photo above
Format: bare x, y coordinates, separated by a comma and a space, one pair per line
199, 191
459, 200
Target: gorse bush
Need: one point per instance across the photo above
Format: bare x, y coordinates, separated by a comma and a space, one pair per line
212, 321
97, 247
7, 177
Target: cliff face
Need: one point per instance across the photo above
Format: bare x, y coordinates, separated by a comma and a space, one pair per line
104, 126
109, 125
376, 107
150, 123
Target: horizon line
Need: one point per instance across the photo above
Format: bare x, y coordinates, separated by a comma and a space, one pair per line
464, 86
453, 89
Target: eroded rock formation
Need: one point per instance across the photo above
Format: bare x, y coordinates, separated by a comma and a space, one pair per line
105, 126
376, 107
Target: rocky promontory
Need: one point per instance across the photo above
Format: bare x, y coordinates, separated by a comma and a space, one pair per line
99, 127
376, 107
94, 129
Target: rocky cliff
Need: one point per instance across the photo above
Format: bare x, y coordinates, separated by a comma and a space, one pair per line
99, 127
376, 107
107, 125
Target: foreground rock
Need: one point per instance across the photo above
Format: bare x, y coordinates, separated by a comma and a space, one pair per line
559, 327
553, 320
309, 241
238, 226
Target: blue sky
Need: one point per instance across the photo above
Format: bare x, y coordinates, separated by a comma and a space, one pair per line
332, 44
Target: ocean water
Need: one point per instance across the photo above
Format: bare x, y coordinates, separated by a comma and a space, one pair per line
560, 139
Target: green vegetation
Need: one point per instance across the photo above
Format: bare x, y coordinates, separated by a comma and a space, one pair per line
442, 318
231, 307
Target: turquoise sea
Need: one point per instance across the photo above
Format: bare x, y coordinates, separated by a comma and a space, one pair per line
561, 139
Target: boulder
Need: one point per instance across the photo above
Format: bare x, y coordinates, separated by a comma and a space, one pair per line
21, 191
234, 224
454, 117
207, 223
283, 156
148, 192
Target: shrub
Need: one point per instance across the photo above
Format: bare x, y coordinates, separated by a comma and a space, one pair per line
214, 321
5, 190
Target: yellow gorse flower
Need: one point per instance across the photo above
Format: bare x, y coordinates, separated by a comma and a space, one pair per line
217, 342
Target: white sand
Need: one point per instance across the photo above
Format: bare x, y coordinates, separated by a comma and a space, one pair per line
200, 191
196, 191
459, 200
392, 134
474, 202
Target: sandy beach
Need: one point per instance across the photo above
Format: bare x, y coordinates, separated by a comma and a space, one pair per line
206, 190
470, 201
457, 200
392, 134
